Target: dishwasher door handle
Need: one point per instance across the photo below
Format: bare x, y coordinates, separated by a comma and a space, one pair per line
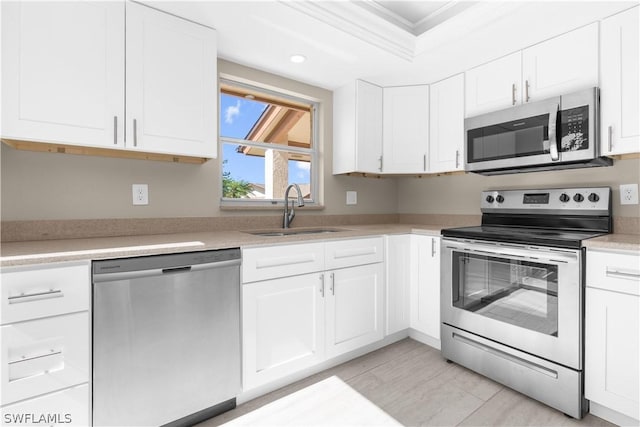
130, 275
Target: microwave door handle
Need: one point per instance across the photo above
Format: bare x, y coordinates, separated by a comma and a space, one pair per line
553, 140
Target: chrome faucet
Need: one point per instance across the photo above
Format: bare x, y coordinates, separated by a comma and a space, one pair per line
289, 215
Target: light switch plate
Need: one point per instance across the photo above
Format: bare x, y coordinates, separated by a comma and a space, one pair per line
629, 194
140, 193
352, 197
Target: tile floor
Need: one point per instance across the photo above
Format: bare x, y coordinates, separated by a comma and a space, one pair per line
412, 383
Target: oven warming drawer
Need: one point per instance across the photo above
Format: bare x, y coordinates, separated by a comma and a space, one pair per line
552, 384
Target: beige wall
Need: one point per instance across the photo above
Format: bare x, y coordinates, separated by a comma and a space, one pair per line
460, 194
60, 186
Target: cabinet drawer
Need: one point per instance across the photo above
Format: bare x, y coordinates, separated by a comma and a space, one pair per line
45, 355
69, 407
281, 261
614, 271
349, 253
44, 291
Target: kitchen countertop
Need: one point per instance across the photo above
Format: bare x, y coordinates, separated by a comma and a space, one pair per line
615, 241
49, 251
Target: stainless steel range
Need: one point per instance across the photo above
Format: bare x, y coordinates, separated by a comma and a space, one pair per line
513, 290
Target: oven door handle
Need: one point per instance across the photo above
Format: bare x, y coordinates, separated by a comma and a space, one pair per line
524, 254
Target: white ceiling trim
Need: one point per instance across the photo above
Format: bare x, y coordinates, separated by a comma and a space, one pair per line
370, 28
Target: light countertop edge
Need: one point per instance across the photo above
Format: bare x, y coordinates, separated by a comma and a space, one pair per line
54, 251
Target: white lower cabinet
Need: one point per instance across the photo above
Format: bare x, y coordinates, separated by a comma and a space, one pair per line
398, 266
283, 325
295, 322
354, 308
612, 336
45, 347
65, 408
425, 285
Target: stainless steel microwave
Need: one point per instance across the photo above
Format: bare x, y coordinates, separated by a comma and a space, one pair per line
555, 133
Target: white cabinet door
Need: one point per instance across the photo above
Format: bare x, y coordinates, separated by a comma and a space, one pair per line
44, 355
70, 407
620, 83
612, 334
171, 84
357, 128
493, 86
560, 65
446, 125
398, 257
425, 285
354, 309
63, 72
405, 131
282, 327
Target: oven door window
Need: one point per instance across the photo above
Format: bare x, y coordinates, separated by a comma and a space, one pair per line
521, 293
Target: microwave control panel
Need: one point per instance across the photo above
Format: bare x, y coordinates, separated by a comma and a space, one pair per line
574, 125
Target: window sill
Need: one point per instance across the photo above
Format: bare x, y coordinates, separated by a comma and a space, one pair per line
273, 208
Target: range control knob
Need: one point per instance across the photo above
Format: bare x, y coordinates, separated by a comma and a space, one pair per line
564, 198
489, 199
499, 198
578, 197
593, 197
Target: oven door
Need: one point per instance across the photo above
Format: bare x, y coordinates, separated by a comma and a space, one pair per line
525, 297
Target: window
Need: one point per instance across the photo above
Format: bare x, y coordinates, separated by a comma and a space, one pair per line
268, 141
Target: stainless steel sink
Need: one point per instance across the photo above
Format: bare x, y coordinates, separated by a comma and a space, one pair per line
294, 232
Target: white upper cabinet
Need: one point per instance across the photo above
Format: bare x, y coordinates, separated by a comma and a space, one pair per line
620, 83
405, 130
446, 125
563, 64
64, 77
493, 86
357, 128
560, 65
171, 84
63, 72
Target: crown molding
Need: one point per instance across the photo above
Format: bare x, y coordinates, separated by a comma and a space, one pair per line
368, 27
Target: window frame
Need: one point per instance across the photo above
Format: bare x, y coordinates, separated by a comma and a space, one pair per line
313, 152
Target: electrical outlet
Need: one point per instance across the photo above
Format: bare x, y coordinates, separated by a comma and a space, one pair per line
352, 197
140, 194
629, 194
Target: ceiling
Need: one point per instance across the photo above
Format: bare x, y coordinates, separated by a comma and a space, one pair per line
385, 42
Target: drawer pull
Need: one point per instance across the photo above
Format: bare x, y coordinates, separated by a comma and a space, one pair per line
32, 366
279, 262
348, 253
624, 274
53, 293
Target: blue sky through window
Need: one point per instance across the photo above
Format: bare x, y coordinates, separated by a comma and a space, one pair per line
237, 117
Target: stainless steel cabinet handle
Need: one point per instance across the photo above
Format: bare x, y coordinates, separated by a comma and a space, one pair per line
322, 285
526, 91
457, 159
135, 133
610, 140
513, 94
620, 274
53, 293
424, 162
553, 144
433, 247
115, 130
333, 282
380, 160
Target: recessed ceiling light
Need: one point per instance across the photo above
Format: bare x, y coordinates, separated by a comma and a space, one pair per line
297, 58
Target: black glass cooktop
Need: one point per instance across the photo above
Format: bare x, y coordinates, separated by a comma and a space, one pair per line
523, 235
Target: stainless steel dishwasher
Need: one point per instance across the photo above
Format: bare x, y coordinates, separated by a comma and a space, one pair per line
166, 338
